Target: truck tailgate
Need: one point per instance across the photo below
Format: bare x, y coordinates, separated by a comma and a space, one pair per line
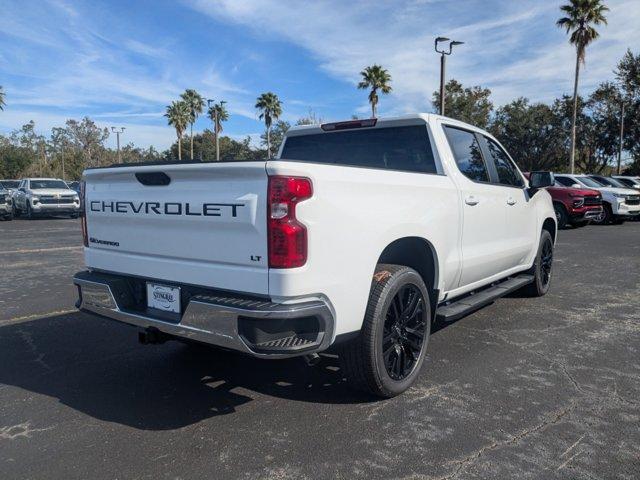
201, 224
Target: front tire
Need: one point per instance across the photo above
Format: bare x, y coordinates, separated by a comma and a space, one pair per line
28, 212
561, 215
605, 217
541, 269
386, 358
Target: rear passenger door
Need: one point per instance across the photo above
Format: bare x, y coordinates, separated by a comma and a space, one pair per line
521, 221
483, 209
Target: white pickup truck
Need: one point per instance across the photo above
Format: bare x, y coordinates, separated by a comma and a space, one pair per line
358, 236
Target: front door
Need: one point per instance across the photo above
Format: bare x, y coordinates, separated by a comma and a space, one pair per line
520, 217
483, 210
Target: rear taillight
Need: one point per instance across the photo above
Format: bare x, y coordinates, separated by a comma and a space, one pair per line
287, 236
83, 214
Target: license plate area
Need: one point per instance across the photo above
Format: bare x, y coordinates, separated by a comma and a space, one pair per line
163, 297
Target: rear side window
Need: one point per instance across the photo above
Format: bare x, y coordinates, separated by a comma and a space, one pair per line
394, 148
507, 172
466, 151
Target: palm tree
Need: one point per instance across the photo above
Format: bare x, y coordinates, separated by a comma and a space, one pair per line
580, 17
218, 114
2, 95
196, 104
270, 108
376, 78
178, 115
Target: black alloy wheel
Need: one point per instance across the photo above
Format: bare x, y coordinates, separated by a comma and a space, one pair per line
546, 261
404, 332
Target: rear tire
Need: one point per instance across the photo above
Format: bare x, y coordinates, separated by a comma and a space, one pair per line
541, 269
561, 215
386, 357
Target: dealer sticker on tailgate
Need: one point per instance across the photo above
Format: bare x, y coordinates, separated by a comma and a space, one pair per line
163, 297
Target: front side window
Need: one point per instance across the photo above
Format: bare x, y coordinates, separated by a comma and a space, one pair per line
393, 148
626, 181
609, 182
564, 181
589, 182
507, 172
466, 151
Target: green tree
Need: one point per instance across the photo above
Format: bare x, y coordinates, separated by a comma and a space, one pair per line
89, 139
2, 97
581, 16
310, 119
269, 107
178, 116
230, 150
628, 77
277, 135
218, 114
376, 78
471, 105
14, 161
196, 104
603, 131
532, 135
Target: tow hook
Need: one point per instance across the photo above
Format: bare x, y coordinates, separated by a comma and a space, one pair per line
151, 336
312, 359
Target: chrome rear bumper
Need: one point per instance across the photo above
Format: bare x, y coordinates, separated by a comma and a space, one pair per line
256, 327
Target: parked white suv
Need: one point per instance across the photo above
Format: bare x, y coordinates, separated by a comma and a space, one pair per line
359, 235
6, 205
619, 204
45, 196
628, 181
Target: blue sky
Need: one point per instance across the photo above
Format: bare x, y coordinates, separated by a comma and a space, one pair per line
122, 62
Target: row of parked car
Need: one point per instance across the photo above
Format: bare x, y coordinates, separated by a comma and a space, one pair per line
32, 197
577, 199
581, 199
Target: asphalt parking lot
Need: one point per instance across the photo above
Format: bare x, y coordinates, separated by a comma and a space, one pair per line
525, 388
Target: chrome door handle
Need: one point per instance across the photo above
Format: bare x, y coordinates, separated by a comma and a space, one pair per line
511, 201
471, 200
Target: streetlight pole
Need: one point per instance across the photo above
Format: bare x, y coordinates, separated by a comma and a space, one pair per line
443, 65
118, 132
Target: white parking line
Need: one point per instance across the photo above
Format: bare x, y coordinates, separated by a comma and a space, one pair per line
40, 250
9, 321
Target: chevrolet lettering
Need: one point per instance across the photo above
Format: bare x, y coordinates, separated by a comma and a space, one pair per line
166, 208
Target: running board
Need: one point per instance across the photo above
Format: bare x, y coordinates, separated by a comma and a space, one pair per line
457, 309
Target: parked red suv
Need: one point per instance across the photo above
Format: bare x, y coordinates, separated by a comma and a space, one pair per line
574, 206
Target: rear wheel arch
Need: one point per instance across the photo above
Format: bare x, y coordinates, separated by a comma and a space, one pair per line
414, 252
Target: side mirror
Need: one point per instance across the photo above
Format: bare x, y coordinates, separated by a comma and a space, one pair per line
576, 185
541, 179
22, 189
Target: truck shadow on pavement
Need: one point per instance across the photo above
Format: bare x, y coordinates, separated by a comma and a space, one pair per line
97, 367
